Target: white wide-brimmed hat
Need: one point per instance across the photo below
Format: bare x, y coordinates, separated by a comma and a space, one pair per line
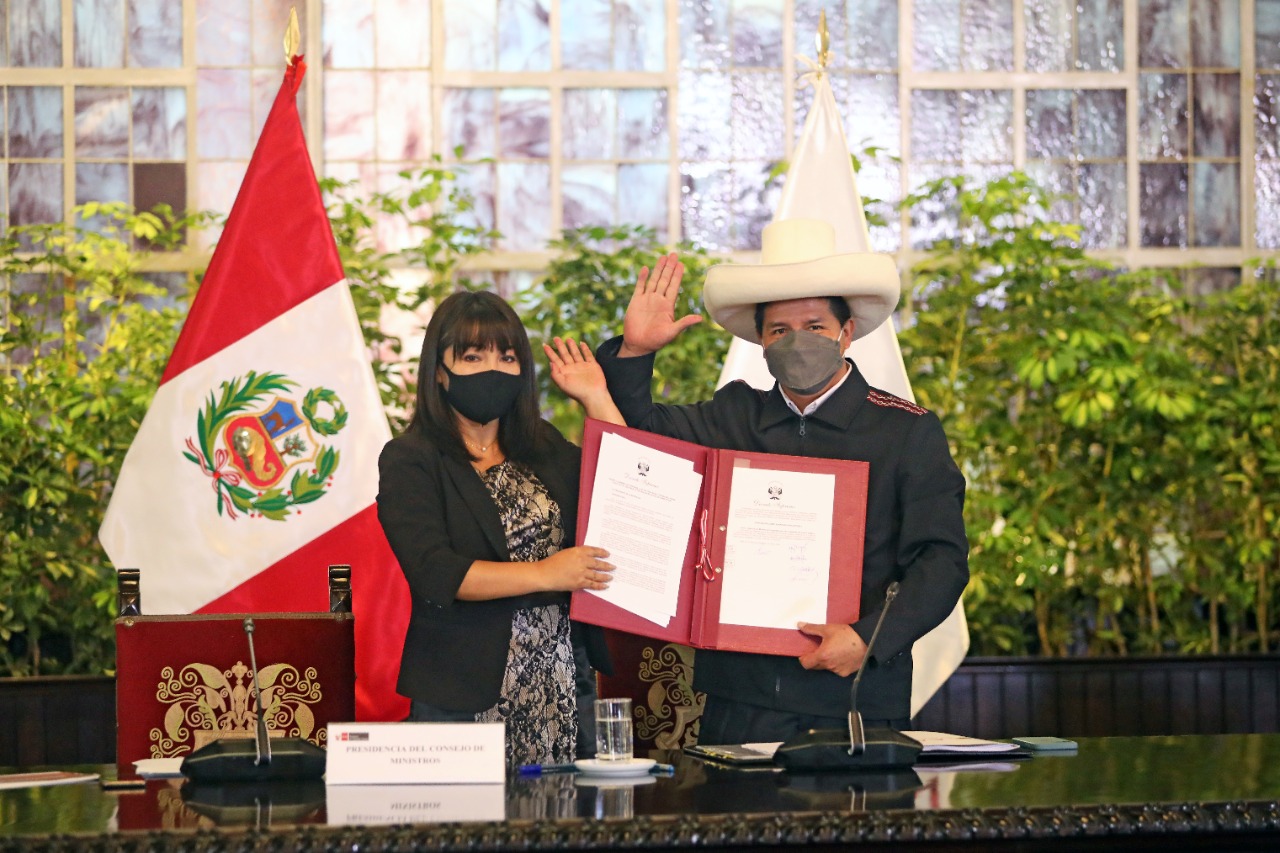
798, 261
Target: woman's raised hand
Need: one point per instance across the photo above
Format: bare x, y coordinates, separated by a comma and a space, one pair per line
583, 567
577, 373
650, 322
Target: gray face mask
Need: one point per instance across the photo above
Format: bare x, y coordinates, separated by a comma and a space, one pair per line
804, 361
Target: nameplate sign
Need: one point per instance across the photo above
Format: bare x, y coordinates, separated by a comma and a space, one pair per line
367, 805
415, 753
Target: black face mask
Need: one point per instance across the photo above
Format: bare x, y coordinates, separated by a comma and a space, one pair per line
483, 397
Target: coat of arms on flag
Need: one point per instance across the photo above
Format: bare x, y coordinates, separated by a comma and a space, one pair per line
248, 455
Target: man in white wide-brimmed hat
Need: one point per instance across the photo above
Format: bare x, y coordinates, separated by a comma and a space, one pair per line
805, 304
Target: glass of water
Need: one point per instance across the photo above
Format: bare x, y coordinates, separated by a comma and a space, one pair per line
614, 738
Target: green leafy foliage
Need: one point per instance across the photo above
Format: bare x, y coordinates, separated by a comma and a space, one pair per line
85, 335
1099, 418
584, 295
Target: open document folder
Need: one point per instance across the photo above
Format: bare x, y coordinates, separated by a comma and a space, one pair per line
719, 549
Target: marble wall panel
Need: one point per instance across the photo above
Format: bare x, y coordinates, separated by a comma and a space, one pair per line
1050, 123
1163, 204
986, 28
756, 33
217, 183
880, 185
224, 120
1162, 116
642, 124
704, 112
588, 119
755, 199
524, 123
1216, 120
99, 33
1164, 33
1266, 33
1215, 36
642, 195
1058, 179
479, 181
35, 193
468, 121
160, 123
403, 115
105, 182
393, 20
1103, 205
586, 33
871, 112
349, 100
223, 30
935, 116
1050, 34
1266, 116
757, 116
469, 35
524, 35
589, 194
1100, 35
155, 34
391, 232
933, 218
270, 19
1215, 189
35, 121
936, 35
706, 196
640, 35
1266, 192
524, 216
1101, 123
986, 127
873, 34
347, 34
704, 29
102, 121
35, 33
160, 183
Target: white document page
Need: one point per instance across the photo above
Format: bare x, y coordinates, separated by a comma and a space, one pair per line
642, 508
777, 559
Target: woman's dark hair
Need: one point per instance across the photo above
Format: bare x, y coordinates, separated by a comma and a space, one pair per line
481, 320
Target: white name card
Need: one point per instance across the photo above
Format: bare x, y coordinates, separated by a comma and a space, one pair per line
415, 753
368, 805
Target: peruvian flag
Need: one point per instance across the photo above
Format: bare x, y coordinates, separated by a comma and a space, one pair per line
256, 466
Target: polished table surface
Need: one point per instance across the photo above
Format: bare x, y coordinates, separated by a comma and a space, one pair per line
1211, 792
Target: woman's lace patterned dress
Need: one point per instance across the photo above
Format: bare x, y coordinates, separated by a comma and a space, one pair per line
537, 701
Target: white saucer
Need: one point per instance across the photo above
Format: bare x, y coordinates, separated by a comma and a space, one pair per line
596, 767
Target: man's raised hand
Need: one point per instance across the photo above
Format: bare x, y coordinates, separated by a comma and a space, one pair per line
650, 322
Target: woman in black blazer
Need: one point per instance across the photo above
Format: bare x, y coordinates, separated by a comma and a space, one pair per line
478, 499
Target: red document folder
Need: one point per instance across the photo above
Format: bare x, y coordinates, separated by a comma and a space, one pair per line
697, 620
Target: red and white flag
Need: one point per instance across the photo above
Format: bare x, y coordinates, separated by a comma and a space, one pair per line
820, 184
256, 466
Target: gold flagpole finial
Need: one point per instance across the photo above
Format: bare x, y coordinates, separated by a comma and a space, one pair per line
823, 40
292, 36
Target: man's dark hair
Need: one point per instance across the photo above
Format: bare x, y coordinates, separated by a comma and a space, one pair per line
839, 308
481, 320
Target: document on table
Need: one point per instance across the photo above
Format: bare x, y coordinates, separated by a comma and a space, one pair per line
777, 561
42, 778
642, 510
